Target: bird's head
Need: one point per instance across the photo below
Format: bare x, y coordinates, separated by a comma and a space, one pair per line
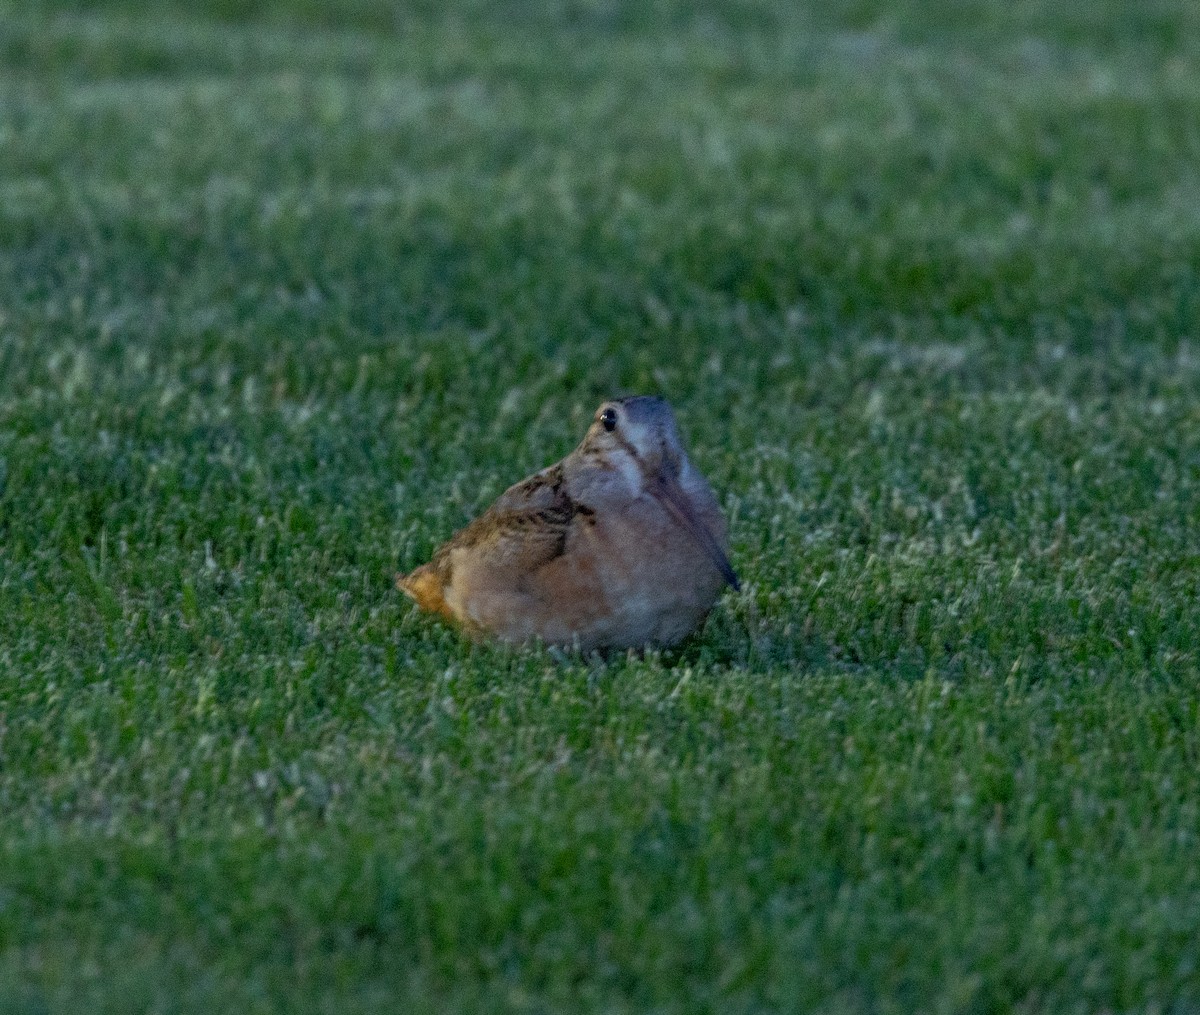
637, 437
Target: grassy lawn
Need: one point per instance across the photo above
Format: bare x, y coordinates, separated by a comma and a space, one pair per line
288, 293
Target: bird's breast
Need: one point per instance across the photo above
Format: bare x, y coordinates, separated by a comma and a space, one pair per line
629, 576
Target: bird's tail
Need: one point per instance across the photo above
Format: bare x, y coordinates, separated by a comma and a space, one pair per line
425, 588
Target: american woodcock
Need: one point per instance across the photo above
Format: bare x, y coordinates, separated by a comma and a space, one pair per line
619, 545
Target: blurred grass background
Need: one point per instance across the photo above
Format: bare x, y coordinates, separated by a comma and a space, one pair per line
289, 291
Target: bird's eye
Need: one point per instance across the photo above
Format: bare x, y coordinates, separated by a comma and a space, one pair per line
608, 419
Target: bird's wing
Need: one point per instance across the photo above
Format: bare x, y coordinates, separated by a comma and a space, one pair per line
522, 531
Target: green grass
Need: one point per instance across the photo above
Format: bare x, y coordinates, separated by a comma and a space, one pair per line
288, 292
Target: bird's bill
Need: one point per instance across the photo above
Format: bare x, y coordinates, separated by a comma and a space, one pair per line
669, 494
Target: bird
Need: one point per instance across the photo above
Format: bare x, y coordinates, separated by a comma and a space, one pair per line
621, 545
